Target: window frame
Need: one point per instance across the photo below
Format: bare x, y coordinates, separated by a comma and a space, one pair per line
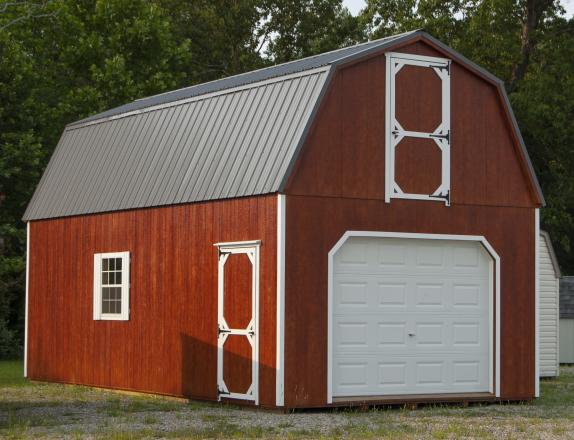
394, 133
124, 315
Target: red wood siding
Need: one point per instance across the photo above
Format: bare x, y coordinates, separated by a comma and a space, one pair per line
315, 224
347, 141
169, 345
338, 185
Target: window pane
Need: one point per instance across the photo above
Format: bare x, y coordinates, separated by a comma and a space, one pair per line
111, 290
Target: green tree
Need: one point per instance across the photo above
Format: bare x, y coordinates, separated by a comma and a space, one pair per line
59, 62
544, 105
301, 28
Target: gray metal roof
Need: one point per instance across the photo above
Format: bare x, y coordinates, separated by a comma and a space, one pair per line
234, 137
235, 143
567, 297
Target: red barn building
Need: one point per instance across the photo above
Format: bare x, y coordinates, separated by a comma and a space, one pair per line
356, 226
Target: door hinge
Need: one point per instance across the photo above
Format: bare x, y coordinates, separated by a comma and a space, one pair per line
446, 136
442, 67
442, 196
220, 330
221, 391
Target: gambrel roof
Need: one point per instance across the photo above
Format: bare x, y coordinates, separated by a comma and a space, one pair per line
235, 137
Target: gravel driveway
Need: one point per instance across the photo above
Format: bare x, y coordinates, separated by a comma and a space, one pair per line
32, 410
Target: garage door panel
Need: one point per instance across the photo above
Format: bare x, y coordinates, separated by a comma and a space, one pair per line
394, 255
431, 294
372, 376
379, 333
411, 317
352, 293
394, 292
392, 334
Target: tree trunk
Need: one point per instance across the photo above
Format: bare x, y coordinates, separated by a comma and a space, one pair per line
534, 12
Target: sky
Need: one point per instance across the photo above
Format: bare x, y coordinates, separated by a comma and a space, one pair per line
356, 5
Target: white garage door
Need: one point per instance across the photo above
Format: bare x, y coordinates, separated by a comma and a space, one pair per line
411, 316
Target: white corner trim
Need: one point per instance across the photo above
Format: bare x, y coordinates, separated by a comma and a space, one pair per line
280, 344
536, 302
494, 379
27, 295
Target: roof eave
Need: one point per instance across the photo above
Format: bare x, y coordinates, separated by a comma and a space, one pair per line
552, 253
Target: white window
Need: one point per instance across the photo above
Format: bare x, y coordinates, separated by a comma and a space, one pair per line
395, 133
112, 286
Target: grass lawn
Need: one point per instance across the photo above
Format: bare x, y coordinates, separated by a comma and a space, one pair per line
39, 410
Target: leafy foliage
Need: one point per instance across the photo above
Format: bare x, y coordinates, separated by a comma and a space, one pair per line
62, 60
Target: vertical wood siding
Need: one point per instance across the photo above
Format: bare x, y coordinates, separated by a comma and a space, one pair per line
338, 185
346, 144
169, 344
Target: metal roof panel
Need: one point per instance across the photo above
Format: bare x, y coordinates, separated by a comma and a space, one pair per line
220, 146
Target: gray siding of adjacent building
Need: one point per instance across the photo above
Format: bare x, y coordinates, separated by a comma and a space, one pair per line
549, 285
234, 143
567, 320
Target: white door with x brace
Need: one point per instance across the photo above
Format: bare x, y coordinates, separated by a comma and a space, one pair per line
238, 311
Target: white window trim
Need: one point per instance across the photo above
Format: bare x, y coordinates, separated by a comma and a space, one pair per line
125, 314
494, 298
394, 132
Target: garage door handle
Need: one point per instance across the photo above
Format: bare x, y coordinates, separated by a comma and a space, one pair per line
411, 334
